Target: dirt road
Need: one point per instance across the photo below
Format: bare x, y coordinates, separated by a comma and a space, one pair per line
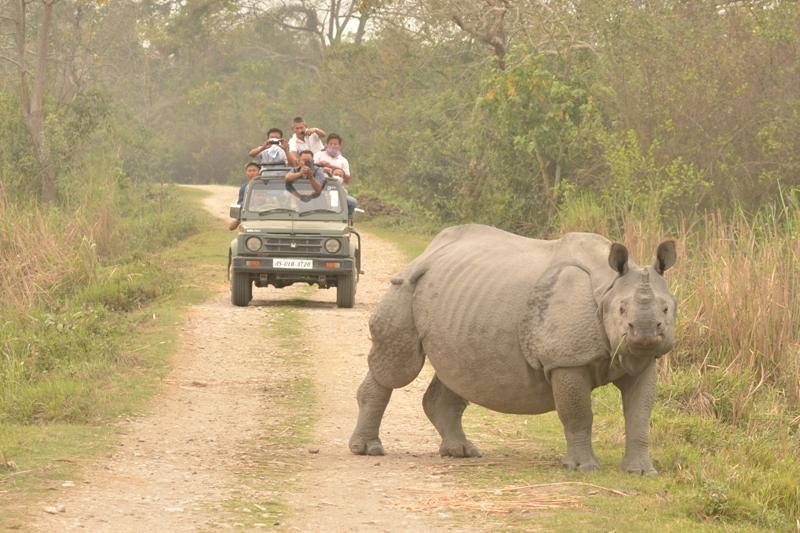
188, 465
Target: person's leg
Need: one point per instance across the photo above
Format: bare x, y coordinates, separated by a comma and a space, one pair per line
352, 203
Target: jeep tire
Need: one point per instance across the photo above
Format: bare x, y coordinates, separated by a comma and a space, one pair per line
346, 290
241, 289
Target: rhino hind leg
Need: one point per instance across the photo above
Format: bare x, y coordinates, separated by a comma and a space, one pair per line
444, 409
396, 356
395, 360
372, 401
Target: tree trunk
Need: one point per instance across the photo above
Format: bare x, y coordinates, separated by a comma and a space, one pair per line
32, 104
362, 26
544, 165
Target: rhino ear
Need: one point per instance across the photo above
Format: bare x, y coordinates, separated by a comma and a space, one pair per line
665, 256
618, 258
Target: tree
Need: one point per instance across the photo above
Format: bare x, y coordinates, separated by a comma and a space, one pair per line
546, 109
32, 86
326, 22
487, 25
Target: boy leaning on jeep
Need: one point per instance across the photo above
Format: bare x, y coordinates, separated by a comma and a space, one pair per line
250, 171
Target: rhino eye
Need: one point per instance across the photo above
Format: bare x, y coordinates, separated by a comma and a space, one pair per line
622, 309
666, 309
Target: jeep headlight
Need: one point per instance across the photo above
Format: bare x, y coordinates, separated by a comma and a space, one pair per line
253, 244
332, 246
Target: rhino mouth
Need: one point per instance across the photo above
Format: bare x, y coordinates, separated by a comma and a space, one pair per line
650, 348
636, 353
645, 343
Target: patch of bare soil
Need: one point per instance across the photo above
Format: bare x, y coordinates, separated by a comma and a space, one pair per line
374, 206
179, 467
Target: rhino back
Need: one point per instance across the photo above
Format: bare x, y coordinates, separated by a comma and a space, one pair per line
471, 301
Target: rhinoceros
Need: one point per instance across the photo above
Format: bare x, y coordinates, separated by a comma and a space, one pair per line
523, 326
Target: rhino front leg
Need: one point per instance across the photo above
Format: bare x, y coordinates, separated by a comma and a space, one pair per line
638, 395
372, 401
444, 409
572, 392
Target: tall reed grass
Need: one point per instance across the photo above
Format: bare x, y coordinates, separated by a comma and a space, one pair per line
737, 282
43, 249
69, 275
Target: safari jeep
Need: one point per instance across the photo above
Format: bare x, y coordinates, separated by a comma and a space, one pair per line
289, 234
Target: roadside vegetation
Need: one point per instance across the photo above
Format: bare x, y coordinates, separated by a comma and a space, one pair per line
91, 350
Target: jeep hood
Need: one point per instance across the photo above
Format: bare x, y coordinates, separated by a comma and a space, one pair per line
294, 226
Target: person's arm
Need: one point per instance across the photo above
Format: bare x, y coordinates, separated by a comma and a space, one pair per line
258, 149
233, 225
293, 175
317, 180
346, 169
303, 171
291, 157
321, 162
320, 133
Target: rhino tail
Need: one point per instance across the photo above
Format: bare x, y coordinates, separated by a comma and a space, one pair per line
413, 272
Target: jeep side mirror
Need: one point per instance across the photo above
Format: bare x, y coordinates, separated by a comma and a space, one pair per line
236, 211
359, 211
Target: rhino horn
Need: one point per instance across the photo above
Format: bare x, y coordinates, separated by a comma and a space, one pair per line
644, 292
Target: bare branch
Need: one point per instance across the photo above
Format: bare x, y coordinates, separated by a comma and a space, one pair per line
13, 61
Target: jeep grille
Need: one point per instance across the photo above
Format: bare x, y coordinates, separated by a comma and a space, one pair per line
302, 245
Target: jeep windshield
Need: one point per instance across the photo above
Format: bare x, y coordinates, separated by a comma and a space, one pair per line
277, 196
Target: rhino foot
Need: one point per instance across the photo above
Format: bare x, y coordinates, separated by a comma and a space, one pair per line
585, 465
455, 448
638, 465
366, 446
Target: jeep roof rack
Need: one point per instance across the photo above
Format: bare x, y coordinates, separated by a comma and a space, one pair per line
273, 170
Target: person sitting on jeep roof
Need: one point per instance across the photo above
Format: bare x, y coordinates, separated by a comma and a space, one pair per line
332, 160
307, 170
250, 171
275, 150
305, 138
331, 157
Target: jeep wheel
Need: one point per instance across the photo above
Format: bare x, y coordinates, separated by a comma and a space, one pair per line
241, 289
346, 290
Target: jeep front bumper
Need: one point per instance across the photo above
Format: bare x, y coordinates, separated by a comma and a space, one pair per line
319, 266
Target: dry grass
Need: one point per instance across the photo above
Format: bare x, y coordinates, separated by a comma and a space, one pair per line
737, 281
747, 293
42, 250
740, 296
505, 500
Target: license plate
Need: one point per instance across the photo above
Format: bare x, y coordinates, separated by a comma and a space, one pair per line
302, 264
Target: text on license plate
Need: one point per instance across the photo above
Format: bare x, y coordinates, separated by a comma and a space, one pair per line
293, 263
